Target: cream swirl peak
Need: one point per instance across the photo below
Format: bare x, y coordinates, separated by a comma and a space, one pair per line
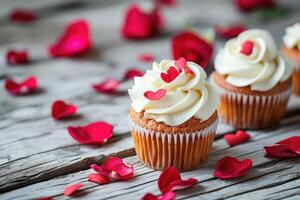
175, 100
291, 38
252, 59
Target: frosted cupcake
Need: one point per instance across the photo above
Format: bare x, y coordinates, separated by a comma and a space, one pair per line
254, 80
291, 49
173, 118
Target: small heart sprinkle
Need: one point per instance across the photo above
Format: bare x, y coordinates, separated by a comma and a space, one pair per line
157, 95
247, 47
171, 74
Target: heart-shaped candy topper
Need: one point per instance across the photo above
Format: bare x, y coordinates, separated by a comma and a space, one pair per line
155, 95
247, 47
171, 74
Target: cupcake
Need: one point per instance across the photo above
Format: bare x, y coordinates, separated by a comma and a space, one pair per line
173, 117
291, 49
253, 79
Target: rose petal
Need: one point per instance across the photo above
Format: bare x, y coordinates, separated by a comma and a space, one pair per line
139, 24
166, 196
229, 168
62, 110
95, 133
287, 148
45, 198
247, 47
27, 86
98, 178
250, 5
230, 31
22, 16
239, 137
114, 169
131, 73
192, 47
14, 57
71, 189
146, 57
171, 74
155, 95
168, 2
170, 180
108, 86
75, 40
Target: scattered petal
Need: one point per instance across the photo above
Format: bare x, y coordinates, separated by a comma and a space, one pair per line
247, 47
168, 2
250, 5
229, 168
192, 47
74, 41
22, 16
146, 57
131, 73
170, 180
166, 196
155, 95
98, 178
71, 189
62, 110
107, 86
14, 57
27, 86
230, 31
114, 169
139, 24
239, 137
171, 75
95, 133
45, 198
287, 148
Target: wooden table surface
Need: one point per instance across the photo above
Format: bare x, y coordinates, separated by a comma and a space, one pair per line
39, 158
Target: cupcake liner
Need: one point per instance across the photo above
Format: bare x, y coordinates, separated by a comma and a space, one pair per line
252, 111
184, 151
296, 78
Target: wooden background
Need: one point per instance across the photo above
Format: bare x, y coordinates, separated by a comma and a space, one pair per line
39, 158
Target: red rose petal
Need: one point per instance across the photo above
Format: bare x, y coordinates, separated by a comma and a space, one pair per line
22, 16
250, 5
192, 47
247, 47
95, 133
139, 24
170, 180
14, 57
181, 63
166, 196
230, 31
98, 178
171, 74
71, 189
107, 86
239, 137
229, 168
287, 148
114, 169
146, 57
45, 198
62, 110
75, 40
155, 95
168, 2
131, 73
27, 86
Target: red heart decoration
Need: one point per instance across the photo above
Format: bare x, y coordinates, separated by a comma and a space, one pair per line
287, 148
131, 73
14, 57
181, 63
170, 180
107, 86
229, 168
95, 133
71, 189
98, 178
27, 86
157, 95
239, 137
171, 74
247, 47
62, 110
166, 196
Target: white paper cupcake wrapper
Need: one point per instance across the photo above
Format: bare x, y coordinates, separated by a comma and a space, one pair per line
184, 151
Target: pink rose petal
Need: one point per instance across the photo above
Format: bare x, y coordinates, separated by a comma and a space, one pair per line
72, 189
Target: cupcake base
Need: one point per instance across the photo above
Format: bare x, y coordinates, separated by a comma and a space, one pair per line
183, 150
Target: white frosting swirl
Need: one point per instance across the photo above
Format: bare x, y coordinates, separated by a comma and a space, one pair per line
261, 70
187, 95
291, 38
